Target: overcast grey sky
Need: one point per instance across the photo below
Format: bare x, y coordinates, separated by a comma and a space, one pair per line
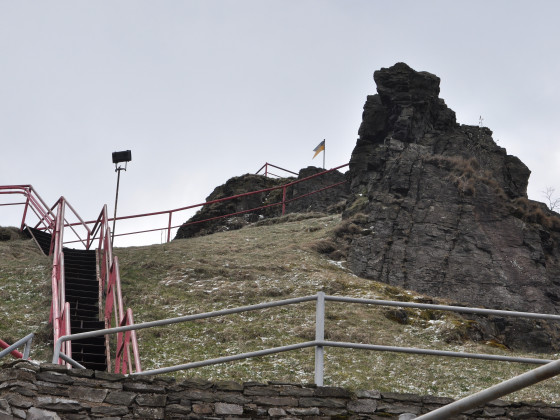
201, 91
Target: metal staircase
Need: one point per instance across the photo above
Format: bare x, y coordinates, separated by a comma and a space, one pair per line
81, 291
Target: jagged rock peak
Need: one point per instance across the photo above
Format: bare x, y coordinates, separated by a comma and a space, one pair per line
406, 107
408, 111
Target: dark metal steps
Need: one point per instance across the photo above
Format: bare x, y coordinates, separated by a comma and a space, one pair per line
42, 238
82, 292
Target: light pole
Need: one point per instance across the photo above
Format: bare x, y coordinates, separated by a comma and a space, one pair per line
119, 157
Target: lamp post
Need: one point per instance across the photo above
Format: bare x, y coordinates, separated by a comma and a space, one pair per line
119, 157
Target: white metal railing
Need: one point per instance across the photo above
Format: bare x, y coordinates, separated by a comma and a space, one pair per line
25, 340
319, 343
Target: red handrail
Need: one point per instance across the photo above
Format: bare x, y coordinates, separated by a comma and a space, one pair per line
170, 213
266, 171
111, 284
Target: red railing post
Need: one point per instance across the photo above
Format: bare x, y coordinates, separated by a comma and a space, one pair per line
283, 200
25, 210
169, 227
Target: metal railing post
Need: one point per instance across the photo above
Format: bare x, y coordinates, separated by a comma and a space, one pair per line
25, 210
169, 227
283, 200
319, 336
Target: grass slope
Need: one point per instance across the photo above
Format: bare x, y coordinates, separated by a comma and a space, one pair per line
264, 263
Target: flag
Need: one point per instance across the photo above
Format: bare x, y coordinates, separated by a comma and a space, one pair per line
320, 148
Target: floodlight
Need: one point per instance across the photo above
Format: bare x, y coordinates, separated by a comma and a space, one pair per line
124, 156
118, 157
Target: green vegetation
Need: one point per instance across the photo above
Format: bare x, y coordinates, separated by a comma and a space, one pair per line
267, 262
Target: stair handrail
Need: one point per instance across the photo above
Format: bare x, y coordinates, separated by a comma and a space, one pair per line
80, 222
34, 202
60, 309
110, 283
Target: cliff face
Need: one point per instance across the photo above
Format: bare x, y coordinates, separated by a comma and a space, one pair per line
447, 209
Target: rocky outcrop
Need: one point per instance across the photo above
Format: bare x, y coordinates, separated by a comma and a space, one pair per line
446, 209
300, 197
29, 391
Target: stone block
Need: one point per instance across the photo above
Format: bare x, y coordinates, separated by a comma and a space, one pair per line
55, 377
26, 365
19, 413
38, 414
196, 395
261, 391
393, 408
108, 376
120, 398
149, 412
17, 375
276, 401
109, 410
153, 400
49, 388
494, 411
196, 383
335, 392
321, 402
229, 386
430, 399
16, 400
16, 383
143, 387
202, 408
58, 404
177, 409
295, 391
231, 397
81, 373
362, 406
87, 394
276, 412
228, 409
368, 394
307, 411
401, 397
53, 367
97, 383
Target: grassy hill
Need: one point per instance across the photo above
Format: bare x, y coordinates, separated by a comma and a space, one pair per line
260, 263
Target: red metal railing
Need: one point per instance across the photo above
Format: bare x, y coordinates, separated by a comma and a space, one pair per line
54, 221
283, 203
270, 165
110, 284
32, 201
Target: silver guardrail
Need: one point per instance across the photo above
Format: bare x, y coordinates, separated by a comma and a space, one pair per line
25, 340
319, 343
550, 368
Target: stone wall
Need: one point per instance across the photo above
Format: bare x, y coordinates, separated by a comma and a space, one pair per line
29, 391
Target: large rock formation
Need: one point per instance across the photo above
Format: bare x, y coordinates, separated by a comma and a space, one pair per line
447, 208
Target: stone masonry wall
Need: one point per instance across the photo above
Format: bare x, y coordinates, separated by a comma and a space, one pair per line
29, 391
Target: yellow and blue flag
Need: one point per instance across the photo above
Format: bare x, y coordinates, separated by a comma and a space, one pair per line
319, 148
